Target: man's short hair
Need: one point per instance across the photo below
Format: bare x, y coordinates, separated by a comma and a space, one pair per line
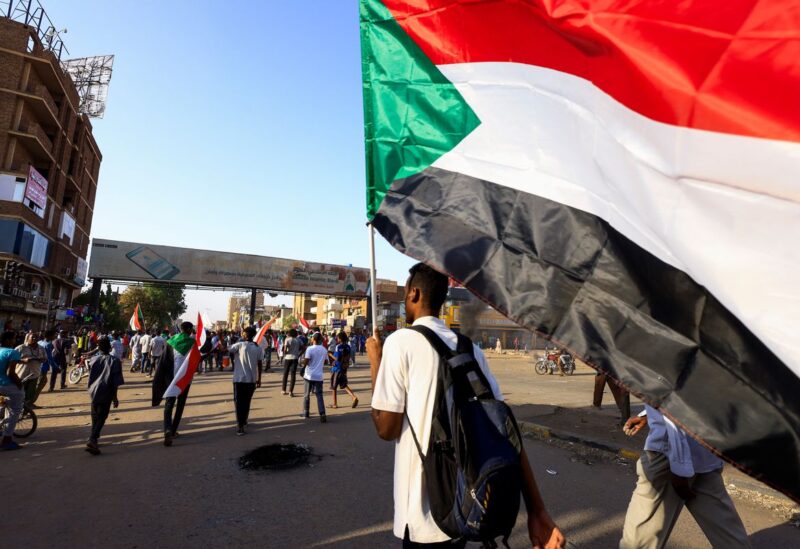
292, 333
250, 332
104, 344
317, 337
187, 327
432, 284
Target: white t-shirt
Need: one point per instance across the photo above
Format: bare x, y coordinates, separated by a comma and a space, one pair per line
145, 341
117, 349
136, 344
316, 355
407, 381
157, 346
246, 355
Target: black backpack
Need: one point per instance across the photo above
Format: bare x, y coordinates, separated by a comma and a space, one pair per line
472, 471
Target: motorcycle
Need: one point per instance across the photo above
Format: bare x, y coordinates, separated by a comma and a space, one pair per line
555, 359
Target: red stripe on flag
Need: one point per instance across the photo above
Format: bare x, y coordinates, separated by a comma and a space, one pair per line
193, 360
731, 67
263, 331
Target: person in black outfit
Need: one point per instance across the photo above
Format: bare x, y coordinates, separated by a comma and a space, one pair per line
105, 377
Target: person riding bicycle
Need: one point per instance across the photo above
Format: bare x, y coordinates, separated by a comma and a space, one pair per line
11, 388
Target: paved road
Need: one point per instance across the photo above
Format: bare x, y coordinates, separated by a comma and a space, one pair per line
141, 494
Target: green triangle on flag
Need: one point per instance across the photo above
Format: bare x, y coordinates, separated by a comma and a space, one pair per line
412, 113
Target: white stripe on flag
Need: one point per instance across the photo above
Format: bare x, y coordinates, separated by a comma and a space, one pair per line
717, 206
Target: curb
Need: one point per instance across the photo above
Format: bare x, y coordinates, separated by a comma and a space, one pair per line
769, 499
544, 433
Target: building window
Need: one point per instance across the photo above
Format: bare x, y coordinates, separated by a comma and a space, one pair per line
8, 235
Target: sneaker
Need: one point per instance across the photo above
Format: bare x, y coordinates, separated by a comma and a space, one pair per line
303, 416
167, 439
239, 431
92, 448
355, 402
10, 445
323, 419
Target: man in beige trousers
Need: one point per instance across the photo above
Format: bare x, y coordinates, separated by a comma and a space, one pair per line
675, 470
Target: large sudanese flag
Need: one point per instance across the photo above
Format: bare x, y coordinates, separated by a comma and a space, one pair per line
622, 177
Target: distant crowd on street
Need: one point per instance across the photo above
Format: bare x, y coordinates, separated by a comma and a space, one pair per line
31, 361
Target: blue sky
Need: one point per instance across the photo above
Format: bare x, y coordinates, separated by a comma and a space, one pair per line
232, 125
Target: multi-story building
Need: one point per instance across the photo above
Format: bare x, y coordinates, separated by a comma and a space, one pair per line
462, 312
239, 309
355, 314
303, 304
49, 168
391, 305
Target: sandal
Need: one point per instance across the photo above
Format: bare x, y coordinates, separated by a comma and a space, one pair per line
355, 402
332, 406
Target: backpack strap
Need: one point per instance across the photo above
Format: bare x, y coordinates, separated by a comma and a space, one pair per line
436, 342
445, 353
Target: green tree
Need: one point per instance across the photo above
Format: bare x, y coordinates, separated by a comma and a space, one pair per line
113, 317
160, 305
290, 321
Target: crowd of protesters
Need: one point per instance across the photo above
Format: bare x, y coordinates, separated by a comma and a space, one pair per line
31, 361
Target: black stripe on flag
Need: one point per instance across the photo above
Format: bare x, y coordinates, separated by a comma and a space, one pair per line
573, 278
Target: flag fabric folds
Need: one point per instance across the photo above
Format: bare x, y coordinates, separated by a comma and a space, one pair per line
620, 177
189, 348
263, 331
136, 322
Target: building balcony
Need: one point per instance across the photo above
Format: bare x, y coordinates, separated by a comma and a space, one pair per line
35, 140
41, 92
42, 106
333, 308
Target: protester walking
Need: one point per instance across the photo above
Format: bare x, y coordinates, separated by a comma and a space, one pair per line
291, 354
145, 342
10, 388
676, 471
105, 377
61, 349
404, 377
175, 352
136, 351
340, 359
117, 348
49, 366
246, 357
314, 360
29, 368
157, 347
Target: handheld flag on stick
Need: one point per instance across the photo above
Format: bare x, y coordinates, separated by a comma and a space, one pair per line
611, 200
136, 322
188, 347
263, 331
304, 326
